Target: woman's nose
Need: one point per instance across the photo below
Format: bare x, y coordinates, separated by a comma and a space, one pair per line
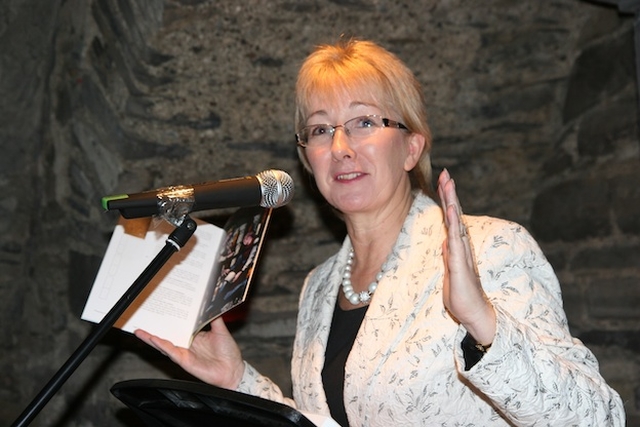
341, 144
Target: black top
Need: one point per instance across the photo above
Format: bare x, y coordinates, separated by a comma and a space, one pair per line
344, 328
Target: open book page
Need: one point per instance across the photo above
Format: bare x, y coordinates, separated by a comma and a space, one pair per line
168, 306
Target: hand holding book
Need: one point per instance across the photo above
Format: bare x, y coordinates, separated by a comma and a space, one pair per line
213, 357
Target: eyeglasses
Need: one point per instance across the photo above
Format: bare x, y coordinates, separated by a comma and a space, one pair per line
357, 128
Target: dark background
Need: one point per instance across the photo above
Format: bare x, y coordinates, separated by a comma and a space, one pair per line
533, 107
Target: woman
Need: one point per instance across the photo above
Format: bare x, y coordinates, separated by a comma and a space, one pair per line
425, 316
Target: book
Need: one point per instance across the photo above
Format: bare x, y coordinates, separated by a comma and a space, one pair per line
209, 276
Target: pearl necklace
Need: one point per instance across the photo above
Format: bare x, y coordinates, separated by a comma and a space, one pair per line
356, 298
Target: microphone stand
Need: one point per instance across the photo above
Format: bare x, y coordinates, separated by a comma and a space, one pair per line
176, 240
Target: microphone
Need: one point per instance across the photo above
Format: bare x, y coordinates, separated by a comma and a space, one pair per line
269, 189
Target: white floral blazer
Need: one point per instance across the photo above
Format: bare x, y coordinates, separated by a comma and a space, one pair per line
406, 366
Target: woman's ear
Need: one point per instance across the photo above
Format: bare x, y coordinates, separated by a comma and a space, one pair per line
415, 146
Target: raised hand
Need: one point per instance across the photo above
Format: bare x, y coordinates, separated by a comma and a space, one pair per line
213, 357
463, 294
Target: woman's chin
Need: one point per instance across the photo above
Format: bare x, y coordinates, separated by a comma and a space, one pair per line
352, 205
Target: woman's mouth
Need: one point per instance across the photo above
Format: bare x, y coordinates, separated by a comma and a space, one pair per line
348, 176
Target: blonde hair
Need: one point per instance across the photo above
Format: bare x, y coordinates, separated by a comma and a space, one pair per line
363, 68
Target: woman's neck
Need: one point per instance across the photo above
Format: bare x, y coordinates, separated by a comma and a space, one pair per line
373, 236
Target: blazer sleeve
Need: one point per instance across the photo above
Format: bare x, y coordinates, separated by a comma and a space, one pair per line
258, 385
535, 372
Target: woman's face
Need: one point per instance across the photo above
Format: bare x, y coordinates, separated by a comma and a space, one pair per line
361, 175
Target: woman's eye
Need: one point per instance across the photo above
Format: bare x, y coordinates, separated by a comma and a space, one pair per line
365, 122
318, 130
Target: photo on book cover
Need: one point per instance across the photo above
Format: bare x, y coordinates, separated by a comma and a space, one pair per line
235, 264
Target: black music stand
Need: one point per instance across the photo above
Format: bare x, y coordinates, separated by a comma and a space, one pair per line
177, 403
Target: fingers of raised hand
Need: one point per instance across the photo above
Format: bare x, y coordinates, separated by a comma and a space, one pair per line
451, 206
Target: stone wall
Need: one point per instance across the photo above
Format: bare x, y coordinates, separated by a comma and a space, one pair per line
533, 107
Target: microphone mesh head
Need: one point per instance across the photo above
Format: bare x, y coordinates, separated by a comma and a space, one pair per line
277, 188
